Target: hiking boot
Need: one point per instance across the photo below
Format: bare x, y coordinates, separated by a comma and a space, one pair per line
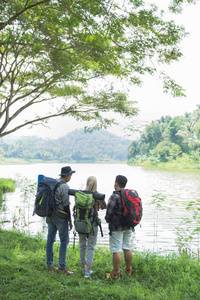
65, 271
53, 268
88, 273
113, 274
128, 271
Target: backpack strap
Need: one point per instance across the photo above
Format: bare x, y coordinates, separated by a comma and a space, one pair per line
117, 192
60, 213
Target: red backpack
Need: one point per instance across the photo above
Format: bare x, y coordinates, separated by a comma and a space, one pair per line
132, 207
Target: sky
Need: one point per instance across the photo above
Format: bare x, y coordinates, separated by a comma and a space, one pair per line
151, 101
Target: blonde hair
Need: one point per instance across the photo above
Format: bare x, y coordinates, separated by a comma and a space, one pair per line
91, 184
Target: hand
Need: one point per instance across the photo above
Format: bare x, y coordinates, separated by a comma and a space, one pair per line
70, 224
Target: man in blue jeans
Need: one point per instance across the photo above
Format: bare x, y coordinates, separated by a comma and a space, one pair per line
56, 223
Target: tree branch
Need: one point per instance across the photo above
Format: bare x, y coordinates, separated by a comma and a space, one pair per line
15, 16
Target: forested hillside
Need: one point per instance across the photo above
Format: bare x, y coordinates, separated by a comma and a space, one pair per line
174, 141
76, 146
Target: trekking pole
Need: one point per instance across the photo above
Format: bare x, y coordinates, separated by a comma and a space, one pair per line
99, 224
101, 230
74, 232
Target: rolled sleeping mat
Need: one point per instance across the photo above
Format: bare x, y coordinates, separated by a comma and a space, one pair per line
39, 178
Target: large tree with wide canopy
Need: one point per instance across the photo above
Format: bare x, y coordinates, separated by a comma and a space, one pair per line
65, 52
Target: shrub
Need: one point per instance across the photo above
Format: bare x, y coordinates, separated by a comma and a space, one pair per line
6, 185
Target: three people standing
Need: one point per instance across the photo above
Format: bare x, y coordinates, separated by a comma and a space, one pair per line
119, 238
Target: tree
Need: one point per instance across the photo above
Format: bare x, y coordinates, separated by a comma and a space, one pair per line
52, 50
171, 132
133, 150
152, 135
165, 151
176, 5
190, 133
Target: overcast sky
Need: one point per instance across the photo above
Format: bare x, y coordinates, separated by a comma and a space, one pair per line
152, 103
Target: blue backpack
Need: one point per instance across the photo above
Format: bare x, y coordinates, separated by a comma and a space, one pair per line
45, 198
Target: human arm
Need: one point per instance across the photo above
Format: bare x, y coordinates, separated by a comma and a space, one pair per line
70, 224
67, 211
64, 195
101, 204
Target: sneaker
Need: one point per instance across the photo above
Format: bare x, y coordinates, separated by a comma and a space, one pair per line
65, 271
88, 273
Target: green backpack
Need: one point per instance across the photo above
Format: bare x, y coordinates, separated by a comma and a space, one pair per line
84, 216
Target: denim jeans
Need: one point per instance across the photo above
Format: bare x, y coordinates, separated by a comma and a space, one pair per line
54, 225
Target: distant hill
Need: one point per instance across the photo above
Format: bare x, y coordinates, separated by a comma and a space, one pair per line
77, 146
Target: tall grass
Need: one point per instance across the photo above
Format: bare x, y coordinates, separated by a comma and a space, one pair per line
23, 274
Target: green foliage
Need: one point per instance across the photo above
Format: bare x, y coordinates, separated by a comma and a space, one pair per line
64, 53
24, 276
165, 151
184, 161
176, 5
171, 132
6, 185
153, 134
78, 146
157, 200
170, 142
133, 150
188, 231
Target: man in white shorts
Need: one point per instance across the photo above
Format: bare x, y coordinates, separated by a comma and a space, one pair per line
120, 235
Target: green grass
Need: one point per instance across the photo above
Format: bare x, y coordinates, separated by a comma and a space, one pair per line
180, 163
23, 274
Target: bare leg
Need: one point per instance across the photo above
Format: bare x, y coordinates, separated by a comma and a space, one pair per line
128, 258
128, 261
116, 261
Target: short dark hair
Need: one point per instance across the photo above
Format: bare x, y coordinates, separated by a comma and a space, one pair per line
121, 180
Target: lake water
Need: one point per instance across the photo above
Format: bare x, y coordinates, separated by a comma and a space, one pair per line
155, 233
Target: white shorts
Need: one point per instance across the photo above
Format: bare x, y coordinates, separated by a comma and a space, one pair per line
120, 240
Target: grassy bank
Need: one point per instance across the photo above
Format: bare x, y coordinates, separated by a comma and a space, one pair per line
19, 161
23, 274
185, 162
